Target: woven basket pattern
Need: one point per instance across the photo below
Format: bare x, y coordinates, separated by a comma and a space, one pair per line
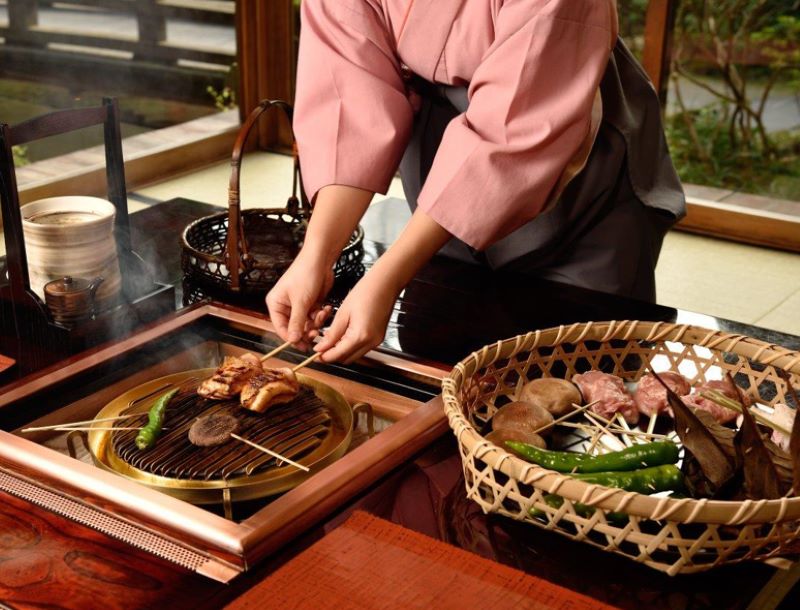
672, 535
203, 256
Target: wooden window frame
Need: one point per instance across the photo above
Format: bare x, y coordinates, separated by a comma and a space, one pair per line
266, 56
153, 160
266, 29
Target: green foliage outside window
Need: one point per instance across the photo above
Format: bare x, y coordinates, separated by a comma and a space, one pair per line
740, 52
20, 154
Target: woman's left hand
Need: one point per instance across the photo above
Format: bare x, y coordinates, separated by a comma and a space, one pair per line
360, 324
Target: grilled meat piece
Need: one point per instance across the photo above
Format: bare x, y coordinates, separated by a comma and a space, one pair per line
609, 395
270, 387
228, 380
651, 397
718, 412
214, 429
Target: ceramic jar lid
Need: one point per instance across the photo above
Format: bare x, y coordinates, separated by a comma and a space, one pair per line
69, 285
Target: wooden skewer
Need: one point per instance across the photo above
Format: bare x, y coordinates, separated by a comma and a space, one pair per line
736, 406
621, 430
631, 432
592, 444
563, 417
604, 430
615, 430
306, 362
593, 431
651, 425
82, 423
625, 438
270, 452
276, 351
73, 429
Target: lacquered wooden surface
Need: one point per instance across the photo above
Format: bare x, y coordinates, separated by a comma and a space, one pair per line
47, 561
449, 310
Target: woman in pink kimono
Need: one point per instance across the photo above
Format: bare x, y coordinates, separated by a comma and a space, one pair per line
527, 139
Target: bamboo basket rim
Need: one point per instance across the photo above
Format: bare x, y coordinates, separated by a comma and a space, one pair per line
220, 258
685, 510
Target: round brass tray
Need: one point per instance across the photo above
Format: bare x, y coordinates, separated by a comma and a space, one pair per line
271, 482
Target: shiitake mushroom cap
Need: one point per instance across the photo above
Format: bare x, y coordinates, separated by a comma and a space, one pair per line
522, 416
212, 430
499, 438
553, 394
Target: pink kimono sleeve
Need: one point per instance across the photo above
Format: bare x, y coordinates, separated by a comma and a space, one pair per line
530, 112
352, 115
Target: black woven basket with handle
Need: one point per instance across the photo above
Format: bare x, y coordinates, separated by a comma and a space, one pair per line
246, 251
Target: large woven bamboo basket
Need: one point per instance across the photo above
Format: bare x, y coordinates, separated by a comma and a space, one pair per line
669, 534
245, 252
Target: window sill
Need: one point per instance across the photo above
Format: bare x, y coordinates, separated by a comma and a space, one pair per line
741, 217
149, 157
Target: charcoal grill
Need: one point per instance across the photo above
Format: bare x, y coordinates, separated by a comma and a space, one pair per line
160, 508
314, 430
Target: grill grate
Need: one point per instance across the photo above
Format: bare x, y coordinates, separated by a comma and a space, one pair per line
293, 430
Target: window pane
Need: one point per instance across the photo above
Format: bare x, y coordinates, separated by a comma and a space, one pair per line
734, 100
167, 61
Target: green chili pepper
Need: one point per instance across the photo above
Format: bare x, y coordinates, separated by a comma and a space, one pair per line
630, 458
155, 418
666, 477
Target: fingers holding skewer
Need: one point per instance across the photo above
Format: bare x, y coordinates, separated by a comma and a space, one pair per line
313, 326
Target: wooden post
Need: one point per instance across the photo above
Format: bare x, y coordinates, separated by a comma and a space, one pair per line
16, 258
22, 15
658, 30
266, 56
152, 27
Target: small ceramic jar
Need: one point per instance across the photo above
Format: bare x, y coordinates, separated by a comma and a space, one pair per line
72, 300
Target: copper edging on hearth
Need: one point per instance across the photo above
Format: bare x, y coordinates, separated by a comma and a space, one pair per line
177, 516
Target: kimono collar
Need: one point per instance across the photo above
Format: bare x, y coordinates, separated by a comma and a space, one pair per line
424, 34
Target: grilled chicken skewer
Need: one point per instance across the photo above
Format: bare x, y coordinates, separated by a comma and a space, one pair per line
229, 379
259, 387
270, 387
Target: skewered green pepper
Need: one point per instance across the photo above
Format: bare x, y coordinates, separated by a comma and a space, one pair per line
630, 458
155, 418
651, 480
666, 477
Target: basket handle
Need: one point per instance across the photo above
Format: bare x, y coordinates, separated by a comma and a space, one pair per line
236, 241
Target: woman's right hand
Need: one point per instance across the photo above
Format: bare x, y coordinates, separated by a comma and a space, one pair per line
295, 302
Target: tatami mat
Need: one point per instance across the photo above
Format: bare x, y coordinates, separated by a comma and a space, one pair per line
266, 181
730, 280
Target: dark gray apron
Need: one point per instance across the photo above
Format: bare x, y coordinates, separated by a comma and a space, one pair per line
606, 229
